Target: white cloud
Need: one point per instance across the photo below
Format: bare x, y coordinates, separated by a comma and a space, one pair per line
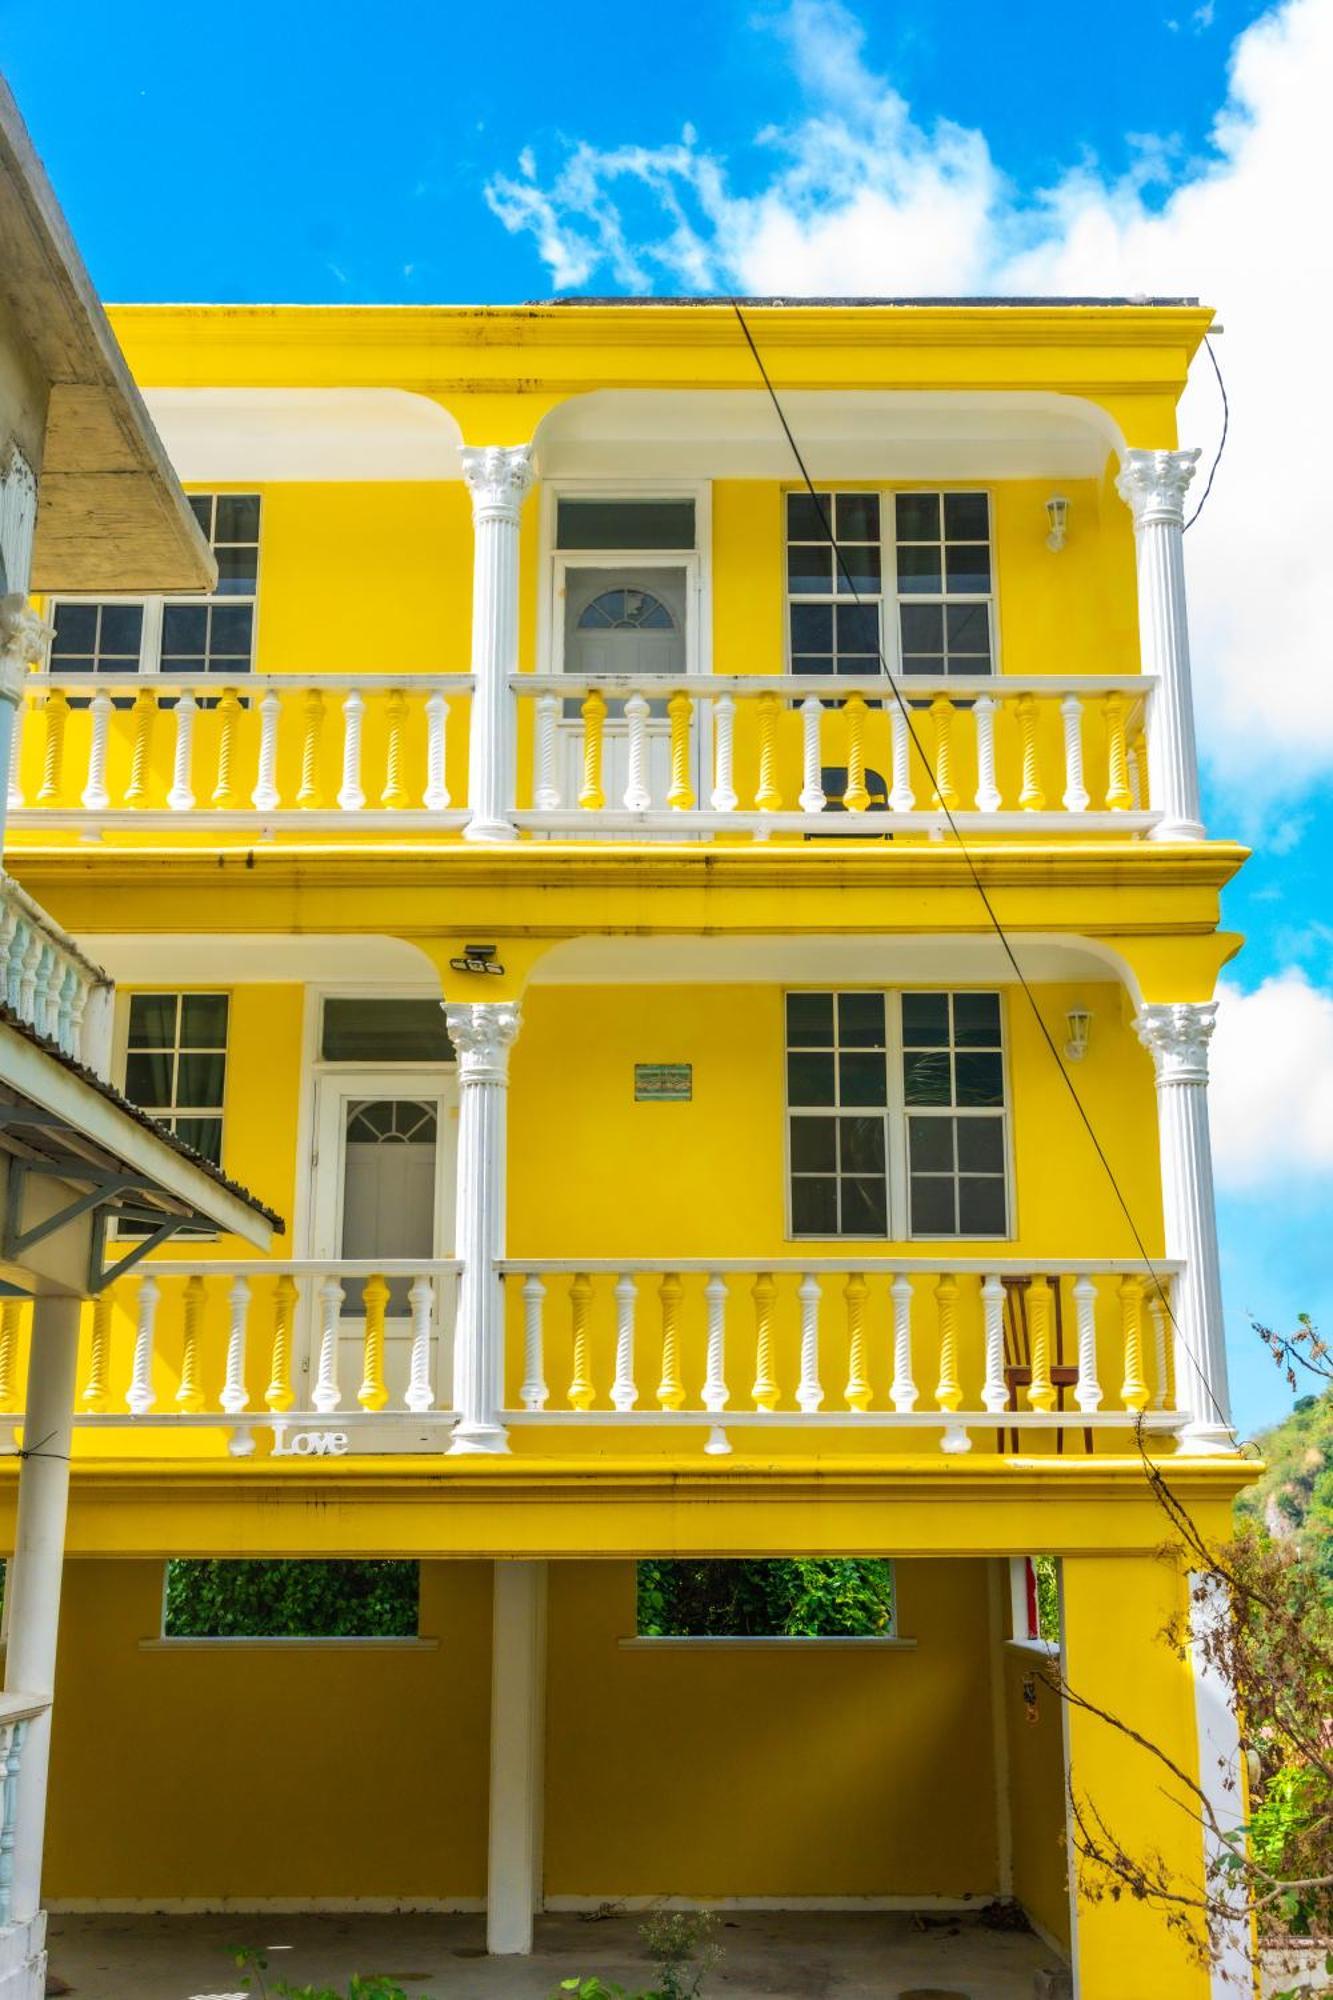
861, 197
1271, 1096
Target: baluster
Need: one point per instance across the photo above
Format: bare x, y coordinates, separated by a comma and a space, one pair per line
671, 1389
32, 958
12, 1740
581, 1390
857, 1392
638, 798
99, 1355
904, 1391
41, 987
1134, 1390
1088, 1393
593, 710
189, 1392
421, 1308
949, 1389
95, 794
279, 1394
309, 798
855, 795
1041, 1389
988, 798
624, 1393
995, 1393
373, 1395
327, 1394
546, 792
901, 797
265, 797
941, 714
235, 1395
679, 710
141, 758
16, 799
351, 792
70, 986
436, 796
716, 1393
141, 1395
1137, 757
9, 1340
1031, 798
1076, 799
1157, 1310
229, 717
11, 946
724, 797
533, 1394
56, 712
1119, 798
181, 796
810, 1390
812, 776
768, 798
765, 1391
394, 795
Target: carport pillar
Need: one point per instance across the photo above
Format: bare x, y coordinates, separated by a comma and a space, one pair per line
34, 1573
518, 1741
497, 477
481, 1033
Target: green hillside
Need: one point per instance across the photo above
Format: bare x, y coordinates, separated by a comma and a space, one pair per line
1295, 1495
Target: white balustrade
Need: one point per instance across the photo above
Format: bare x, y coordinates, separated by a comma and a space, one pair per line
44, 977
17, 1711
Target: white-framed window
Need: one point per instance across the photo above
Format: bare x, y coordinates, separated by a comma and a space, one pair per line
897, 1119
176, 1064
944, 576
212, 634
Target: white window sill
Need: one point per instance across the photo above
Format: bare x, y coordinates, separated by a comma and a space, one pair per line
287, 1644
775, 1642
1046, 1649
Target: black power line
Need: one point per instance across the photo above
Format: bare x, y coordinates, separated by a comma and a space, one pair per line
1221, 442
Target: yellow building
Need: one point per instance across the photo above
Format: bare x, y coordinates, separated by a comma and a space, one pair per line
811, 1157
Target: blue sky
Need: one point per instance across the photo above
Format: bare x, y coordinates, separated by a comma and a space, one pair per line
449, 153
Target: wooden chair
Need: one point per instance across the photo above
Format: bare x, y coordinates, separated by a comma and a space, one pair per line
1018, 1355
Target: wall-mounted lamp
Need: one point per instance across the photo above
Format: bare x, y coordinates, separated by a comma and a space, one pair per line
1057, 513
1079, 1023
477, 958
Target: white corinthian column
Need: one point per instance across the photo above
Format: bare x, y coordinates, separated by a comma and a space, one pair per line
1153, 486
1177, 1038
482, 1034
498, 476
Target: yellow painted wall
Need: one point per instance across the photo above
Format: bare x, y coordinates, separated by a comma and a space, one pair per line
1034, 1747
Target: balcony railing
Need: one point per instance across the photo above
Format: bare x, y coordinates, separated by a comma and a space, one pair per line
17, 1711
46, 981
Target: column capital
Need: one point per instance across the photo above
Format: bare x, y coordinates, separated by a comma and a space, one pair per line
1176, 1035
497, 476
1153, 485
23, 640
482, 1032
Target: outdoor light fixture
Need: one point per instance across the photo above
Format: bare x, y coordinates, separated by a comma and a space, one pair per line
477, 958
1079, 1023
1057, 513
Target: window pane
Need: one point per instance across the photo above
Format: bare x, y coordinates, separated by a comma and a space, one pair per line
976, 1020
861, 1077
919, 571
980, 1144
809, 569
810, 1079
237, 518
922, 627
930, 1145
199, 1079
932, 1207
858, 570
918, 517
203, 1022
925, 1020
858, 629
979, 1078
981, 1207
812, 628
76, 628
231, 629
926, 1077
814, 1207
122, 628
811, 663
861, 1020
201, 506
152, 1020
383, 1030
966, 517
969, 633
625, 524
860, 1144
238, 572
814, 1147
148, 1078
864, 1207
810, 1020
184, 628
858, 517
809, 519
204, 1134
968, 569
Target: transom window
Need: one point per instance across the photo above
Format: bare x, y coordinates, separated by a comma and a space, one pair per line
176, 1064
626, 611
896, 1115
374, 1029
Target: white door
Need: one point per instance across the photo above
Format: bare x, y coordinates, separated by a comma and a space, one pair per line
629, 620
386, 1144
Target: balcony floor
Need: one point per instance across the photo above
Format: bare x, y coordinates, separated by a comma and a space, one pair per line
805, 1954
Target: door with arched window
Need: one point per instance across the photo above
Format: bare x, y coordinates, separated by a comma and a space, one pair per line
622, 624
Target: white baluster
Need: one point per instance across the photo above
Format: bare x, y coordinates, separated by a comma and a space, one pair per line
1076, 792
32, 956
1088, 1392
95, 794
351, 792
904, 1391
234, 1395
810, 1390
69, 986
723, 797
534, 1391
624, 1393
326, 1394
988, 792
141, 1396
995, 1394
638, 798
1157, 1308
11, 1756
1134, 761
78, 1007
716, 1393
15, 800
901, 797
181, 796
40, 1013
437, 720
265, 796
546, 791
421, 1307
10, 947
812, 785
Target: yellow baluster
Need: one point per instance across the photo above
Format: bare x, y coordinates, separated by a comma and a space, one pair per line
768, 799
1032, 798
56, 711
581, 1389
765, 1390
1138, 782
591, 796
949, 1389
309, 798
190, 1394
373, 1394
229, 712
394, 794
671, 1389
9, 1341
279, 1394
858, 1382
1119, 797
145, 708
1134, 1390
856, 797
1041, 1389
941, 715
99, 1355
681, 796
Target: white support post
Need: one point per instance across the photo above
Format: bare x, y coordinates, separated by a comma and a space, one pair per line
497, 477
35, 1573
1221, 1781
1153, 485
482, 1033
1177, 1038
518, 1714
